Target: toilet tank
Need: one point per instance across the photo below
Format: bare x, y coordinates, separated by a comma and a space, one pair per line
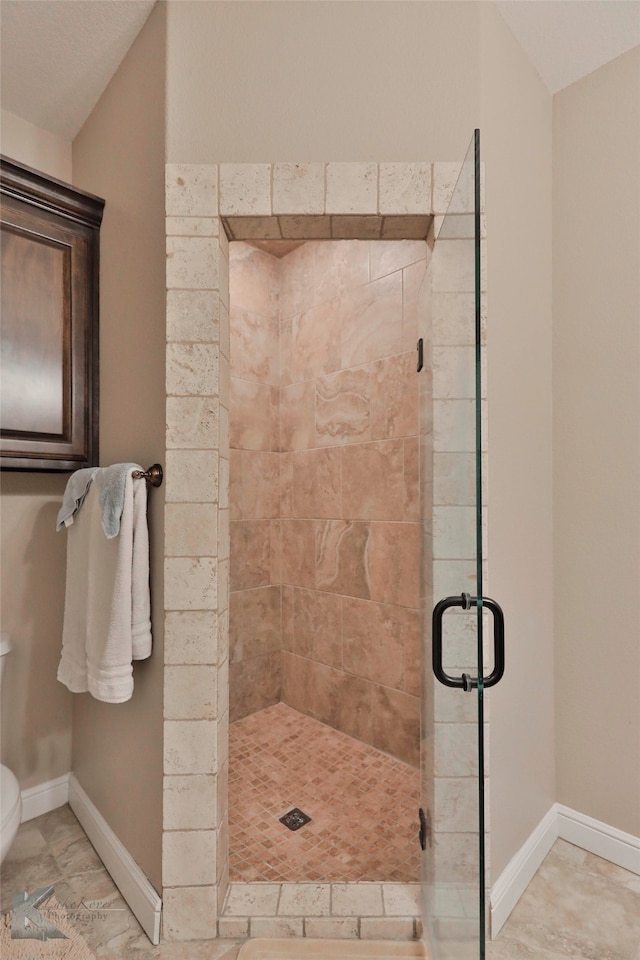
5, 647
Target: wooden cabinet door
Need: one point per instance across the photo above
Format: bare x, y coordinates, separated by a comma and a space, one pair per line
49, 302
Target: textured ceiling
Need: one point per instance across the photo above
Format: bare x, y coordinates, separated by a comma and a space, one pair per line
567, 39
57, 56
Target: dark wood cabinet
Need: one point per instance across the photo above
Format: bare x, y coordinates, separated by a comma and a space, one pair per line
49, 322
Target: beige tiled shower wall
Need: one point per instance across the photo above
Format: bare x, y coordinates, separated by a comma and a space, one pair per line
333, 516
255, 622
350, 539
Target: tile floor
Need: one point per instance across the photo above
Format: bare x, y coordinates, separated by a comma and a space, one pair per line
578, 907
280, 759
54, 850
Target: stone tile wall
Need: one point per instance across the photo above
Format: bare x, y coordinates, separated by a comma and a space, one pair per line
255, 624
450, 732
197, 556
350, 538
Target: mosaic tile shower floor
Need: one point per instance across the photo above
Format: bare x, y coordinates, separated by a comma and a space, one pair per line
280, 759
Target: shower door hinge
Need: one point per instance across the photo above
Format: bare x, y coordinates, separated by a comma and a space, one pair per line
425, 829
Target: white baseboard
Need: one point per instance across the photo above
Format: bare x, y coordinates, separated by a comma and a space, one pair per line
562, 822
607, 842
521, 869
125, 872
44, 798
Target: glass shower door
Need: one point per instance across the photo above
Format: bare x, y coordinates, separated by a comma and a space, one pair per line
457, 619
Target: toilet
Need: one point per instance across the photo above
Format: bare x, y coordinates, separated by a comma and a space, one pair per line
10, 799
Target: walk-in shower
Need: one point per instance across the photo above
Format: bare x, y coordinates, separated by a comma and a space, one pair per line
325, 559
310, 420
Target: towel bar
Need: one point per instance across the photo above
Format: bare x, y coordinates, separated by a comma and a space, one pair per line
154, 475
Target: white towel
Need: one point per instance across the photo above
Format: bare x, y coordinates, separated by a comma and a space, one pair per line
107, 615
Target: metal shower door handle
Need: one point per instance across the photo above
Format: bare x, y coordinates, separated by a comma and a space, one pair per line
466, 682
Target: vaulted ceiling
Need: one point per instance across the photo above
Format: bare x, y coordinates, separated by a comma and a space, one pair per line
57, 56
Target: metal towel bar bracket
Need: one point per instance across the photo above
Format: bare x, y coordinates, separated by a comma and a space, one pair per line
154, 475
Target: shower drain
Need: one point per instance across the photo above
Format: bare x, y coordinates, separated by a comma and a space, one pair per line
295, 819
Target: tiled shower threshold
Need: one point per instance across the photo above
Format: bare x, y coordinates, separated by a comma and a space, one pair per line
337, 911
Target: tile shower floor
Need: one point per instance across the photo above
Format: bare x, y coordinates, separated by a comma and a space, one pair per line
363, 804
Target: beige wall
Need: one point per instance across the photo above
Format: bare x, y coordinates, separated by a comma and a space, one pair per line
35, 147
252, 82
36, 709
597, 442
516, 127
119, 154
